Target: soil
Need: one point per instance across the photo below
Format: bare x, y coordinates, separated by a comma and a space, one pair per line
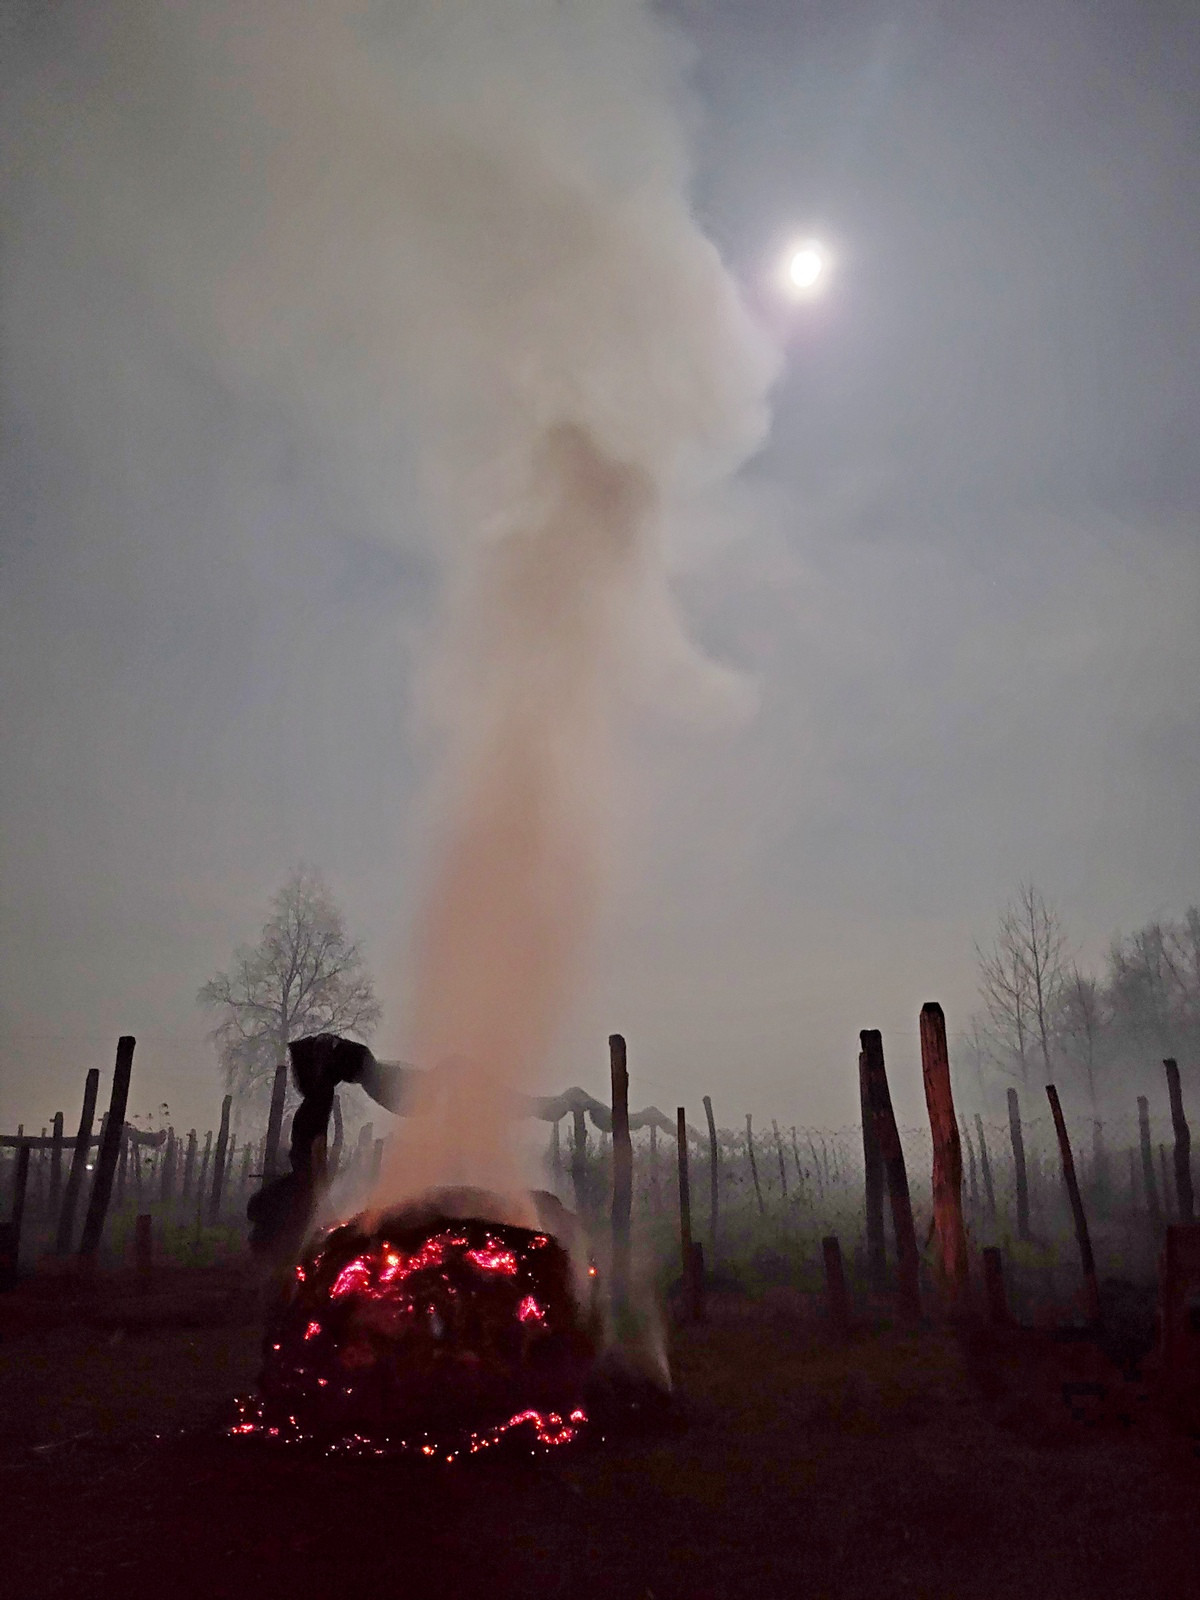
932, 1464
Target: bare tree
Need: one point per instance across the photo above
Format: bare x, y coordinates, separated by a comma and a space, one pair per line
1154, 987
302, 977
1022, 975
1081, 1026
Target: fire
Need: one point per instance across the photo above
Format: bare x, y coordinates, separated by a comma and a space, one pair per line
435, 1337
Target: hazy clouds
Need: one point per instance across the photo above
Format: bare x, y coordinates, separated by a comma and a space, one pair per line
963, 576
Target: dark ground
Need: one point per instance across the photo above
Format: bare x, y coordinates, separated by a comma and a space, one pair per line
926, 1465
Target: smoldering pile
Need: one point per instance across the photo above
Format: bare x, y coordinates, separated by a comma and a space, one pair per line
422, 1332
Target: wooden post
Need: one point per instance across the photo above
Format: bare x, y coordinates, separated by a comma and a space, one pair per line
244, 1179
376, 1162
1086, 1259
892, 1154
972, 1176
622, 1195
685, 1208
66, 1216
836, 1299
714, 1181
655, 1188
1183, 1146
218, 1179
754, 1166
56, 1150
1148, 1183
948, 1226
106, 1160
339, 1135
189, 1167
202, 1181
166, 1177
872, 1184
993, 1283
143, 1246
1019, 1172
779, 1153
275, 1122
985, 1167
555, 1156
579, 1160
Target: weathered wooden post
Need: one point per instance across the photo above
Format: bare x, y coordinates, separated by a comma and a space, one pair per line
685, 1210
1166, 1182
948, 1226
714, 1182
1086, 1259
75, 1172
1148, 1183
377, 1161
985, 1168
56, 1150
872, 1184
579, 1173
106, 1160
993, 1283
837, 1301
1019, 1172
555, 1157
754, 1166
892, 1154
655, 1184
275, 1122
166, 1177
189, 1168
339, 1135
1183, 1145
218, 1180
622, 1195
202, 1181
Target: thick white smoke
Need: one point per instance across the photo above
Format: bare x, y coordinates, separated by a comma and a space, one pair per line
465, 224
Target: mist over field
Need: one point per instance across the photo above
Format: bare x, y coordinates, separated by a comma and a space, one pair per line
934, 638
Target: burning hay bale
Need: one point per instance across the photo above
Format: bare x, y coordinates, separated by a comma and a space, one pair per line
426, 1333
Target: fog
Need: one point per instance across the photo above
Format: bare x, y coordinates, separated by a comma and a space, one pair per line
938, 634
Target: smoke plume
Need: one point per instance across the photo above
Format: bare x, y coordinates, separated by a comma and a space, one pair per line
459, 227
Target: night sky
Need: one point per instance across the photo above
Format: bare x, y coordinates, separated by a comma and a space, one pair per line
961, 580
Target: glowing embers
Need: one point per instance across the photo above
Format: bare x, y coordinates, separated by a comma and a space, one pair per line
439, 1336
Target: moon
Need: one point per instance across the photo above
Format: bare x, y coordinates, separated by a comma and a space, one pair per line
806, 268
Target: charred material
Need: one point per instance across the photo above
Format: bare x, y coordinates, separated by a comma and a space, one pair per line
426, 1332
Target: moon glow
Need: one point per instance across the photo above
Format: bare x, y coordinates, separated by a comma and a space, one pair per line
805, 269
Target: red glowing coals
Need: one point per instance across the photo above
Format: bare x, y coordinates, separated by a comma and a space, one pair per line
493, 1259
429, 1334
